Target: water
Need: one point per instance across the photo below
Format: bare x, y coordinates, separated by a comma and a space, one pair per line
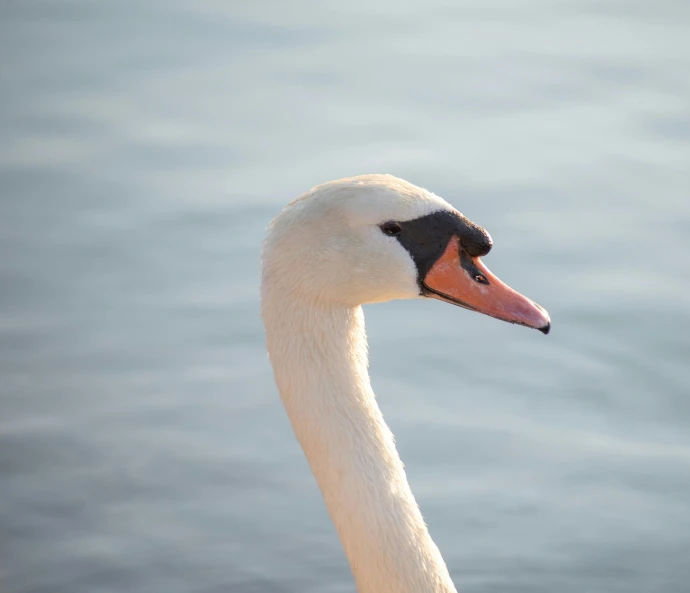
144, 147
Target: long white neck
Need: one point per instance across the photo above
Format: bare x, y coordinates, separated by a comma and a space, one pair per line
319, 357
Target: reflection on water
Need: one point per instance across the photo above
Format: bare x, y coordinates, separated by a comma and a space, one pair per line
144, 147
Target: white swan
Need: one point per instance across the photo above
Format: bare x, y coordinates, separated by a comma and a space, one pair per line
362, 240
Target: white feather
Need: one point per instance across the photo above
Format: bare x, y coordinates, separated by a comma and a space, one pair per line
323, 257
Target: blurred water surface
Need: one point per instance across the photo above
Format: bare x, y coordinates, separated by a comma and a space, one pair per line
144, 146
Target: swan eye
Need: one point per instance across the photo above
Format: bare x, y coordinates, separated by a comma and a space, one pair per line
392, 229
481, 279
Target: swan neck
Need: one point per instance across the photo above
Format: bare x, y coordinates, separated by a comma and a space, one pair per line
319, 356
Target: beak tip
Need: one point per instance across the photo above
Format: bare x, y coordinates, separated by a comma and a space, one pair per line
545, 329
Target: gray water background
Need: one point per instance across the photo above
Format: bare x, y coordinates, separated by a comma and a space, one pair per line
144, 146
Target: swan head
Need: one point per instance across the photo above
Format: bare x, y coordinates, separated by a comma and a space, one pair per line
375, 238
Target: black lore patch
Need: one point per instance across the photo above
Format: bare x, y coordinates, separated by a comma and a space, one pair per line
427, 237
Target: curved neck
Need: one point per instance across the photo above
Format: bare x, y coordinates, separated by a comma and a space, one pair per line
319, 359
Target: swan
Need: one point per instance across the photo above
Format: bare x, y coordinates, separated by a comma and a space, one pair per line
348, 242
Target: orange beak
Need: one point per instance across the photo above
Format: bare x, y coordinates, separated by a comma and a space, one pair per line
463, 280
